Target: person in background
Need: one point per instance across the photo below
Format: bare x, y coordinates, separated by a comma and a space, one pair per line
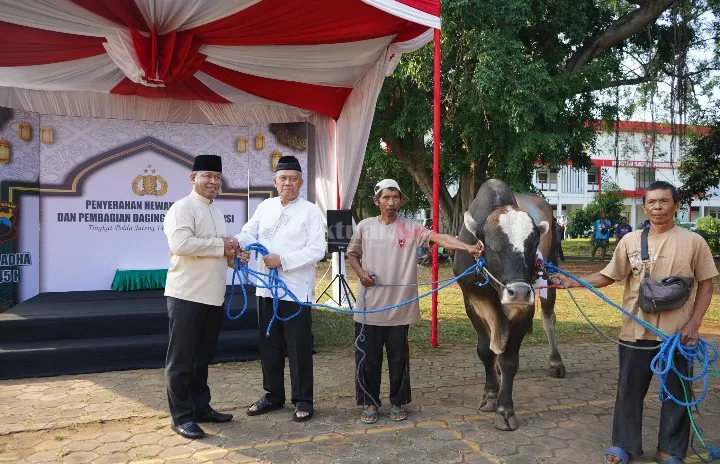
601, 235
559, 236
623, 228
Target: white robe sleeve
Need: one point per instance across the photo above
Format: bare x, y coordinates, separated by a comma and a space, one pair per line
314, 250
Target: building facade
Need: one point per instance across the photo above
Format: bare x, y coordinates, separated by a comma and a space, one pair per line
632, 157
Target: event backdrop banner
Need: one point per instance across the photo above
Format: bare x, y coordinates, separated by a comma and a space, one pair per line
82, 198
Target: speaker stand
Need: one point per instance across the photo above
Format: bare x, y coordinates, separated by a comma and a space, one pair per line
344, 290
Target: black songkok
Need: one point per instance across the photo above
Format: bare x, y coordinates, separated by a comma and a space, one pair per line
207, 163
288, 163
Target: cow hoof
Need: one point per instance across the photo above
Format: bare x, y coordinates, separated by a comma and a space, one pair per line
505, 420
489, 402
557, 369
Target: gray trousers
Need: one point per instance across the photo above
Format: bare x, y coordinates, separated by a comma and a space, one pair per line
633, 383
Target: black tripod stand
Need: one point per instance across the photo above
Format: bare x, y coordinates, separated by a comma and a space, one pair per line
345, 292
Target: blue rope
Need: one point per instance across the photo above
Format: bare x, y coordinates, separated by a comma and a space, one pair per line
663, 362
279, 290
714, 452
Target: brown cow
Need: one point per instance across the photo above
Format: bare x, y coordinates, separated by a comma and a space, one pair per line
513, 228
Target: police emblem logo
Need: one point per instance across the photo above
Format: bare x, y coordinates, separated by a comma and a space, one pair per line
149, 183
8, 217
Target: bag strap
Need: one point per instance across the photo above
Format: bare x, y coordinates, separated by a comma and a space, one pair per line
644, 250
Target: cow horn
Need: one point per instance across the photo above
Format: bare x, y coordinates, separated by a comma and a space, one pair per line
544, 227
471, 223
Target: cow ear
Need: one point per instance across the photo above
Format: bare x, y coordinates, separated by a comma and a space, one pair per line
544, 227
470, 223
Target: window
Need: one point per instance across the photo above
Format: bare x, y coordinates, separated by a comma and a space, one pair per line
593, 179
644, 177
546, 179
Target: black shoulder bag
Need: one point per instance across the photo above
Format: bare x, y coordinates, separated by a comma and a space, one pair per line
661, 295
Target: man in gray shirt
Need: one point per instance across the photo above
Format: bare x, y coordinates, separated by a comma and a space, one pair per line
383, 250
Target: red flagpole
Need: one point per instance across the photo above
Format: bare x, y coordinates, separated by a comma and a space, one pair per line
436, 187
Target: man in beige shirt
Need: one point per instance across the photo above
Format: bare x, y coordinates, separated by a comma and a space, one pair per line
195, 290
383, 250
673, 251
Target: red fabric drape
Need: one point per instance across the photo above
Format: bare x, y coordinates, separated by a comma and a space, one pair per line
123, 12
28, 46
191, 89
319, 98
410, 31
300, 22
427, 6
173, 57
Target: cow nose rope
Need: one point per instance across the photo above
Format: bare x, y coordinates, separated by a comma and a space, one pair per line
703, 352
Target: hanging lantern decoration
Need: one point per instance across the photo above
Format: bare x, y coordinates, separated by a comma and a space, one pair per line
24, 131
4, 151
259, 142
276, 155
242, 145
46, 135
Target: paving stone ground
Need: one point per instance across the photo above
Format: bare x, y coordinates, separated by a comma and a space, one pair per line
119, 417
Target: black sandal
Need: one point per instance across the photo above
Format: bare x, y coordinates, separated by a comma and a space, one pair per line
263, 406
297, 418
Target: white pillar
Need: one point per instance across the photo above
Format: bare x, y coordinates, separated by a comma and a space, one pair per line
633, 213
702, 209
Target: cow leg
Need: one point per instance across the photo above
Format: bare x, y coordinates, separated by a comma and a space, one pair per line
557, 368
509, 360
488, 358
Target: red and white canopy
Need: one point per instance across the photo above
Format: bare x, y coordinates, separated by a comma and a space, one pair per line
227, 62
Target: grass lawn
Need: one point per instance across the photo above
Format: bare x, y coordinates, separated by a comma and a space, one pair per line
583, 247
336, 331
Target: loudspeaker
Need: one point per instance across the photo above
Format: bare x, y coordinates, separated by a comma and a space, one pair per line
339, 230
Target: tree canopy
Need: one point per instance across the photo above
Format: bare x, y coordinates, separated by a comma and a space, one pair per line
520, 81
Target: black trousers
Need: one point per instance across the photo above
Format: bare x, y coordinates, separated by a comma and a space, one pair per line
367, 383
194, 330
633, 383
293, 337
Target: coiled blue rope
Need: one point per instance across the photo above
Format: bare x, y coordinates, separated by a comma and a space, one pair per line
279, 290
703, 352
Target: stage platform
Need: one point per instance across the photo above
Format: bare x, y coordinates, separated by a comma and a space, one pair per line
83, 332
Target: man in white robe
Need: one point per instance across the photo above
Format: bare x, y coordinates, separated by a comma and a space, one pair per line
293, 231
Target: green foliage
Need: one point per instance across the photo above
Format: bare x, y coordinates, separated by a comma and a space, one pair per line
609, 200
700, 168
709, 228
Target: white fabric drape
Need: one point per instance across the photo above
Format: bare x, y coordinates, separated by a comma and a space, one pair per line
55, 15
401, 10
396, 49
341, 64
325, 162
245, 115
354, 128
97, 74
169, 15
120, 49
232, 94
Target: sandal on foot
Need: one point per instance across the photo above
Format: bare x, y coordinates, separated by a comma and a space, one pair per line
369, 417
669, 460
297, 418
396, 412
618, 453
262, 406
